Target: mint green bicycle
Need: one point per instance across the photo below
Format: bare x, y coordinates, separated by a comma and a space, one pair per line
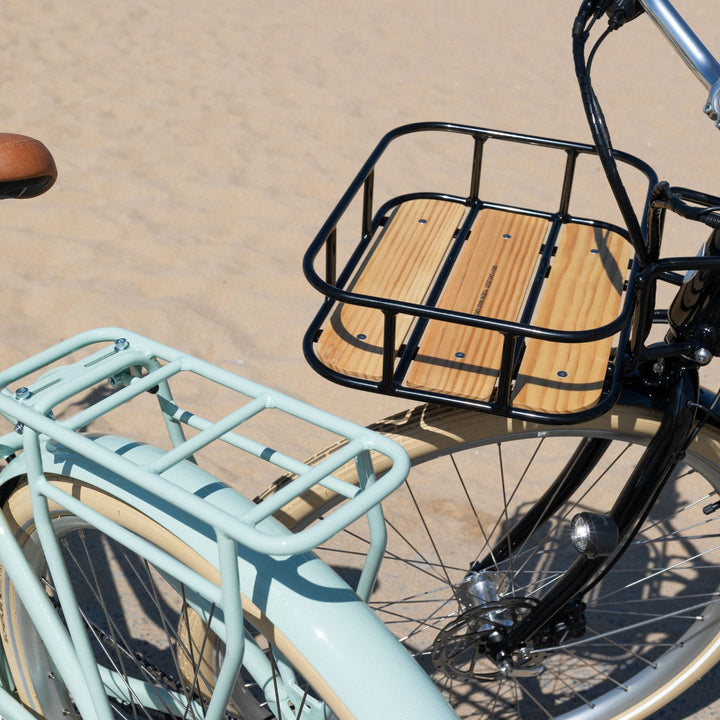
135, 584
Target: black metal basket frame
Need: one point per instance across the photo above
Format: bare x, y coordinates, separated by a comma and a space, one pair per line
395, 363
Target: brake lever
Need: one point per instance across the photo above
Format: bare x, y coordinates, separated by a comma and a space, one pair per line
623, 11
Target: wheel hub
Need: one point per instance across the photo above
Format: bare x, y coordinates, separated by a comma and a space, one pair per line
474, 644
469, 647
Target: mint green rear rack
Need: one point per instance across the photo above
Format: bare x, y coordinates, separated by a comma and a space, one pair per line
31, 407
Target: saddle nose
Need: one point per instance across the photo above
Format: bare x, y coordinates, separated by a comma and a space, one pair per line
27, 168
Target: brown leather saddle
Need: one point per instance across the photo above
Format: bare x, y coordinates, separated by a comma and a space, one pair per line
27, 168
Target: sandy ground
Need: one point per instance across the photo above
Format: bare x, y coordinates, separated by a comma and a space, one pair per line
201, 145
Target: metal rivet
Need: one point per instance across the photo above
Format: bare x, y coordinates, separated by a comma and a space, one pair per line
460, 355
595, 251
507, 236
361, 336
562, 373
422, 221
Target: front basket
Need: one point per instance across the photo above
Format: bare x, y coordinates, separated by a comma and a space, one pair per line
515, 308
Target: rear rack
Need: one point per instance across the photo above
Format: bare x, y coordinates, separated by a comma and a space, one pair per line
524, 311
102, 372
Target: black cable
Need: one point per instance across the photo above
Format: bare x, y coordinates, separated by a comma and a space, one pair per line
591, 55
600, 132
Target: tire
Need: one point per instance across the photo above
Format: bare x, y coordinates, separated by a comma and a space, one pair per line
652, 625
140, 621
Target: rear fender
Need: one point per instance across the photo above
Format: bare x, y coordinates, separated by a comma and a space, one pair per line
300, 595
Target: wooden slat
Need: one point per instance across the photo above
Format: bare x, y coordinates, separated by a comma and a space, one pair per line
584, 291
490, 278
401, 266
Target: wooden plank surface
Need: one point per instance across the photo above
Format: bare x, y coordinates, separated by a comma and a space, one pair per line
583, 291
490, 278
401, 266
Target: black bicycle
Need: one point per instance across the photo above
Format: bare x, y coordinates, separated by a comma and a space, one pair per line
555, 550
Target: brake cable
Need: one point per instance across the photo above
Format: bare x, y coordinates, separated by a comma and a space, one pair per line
587, 15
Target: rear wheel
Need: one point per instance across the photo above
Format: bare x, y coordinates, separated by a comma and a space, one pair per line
149, 643
641, 636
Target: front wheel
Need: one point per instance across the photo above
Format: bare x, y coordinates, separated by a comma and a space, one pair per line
637, 639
